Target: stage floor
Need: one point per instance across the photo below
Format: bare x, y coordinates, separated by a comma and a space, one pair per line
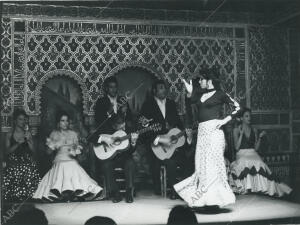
151, 209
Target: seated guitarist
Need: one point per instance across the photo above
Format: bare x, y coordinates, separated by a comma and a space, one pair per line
159, 109
112, 114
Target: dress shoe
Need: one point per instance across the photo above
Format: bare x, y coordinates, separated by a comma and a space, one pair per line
129, 195
117, 197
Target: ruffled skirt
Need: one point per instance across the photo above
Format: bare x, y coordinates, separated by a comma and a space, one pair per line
248, 173
67, 177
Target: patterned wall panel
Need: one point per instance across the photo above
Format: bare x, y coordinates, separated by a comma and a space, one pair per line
268, 64
6, 72
143, 15
81, 49
18, 70
276, 140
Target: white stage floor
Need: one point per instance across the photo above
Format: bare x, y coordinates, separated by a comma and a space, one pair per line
150, 209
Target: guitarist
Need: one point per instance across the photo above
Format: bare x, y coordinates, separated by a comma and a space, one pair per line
159, 109
112, 114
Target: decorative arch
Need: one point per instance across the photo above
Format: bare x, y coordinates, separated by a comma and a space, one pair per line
60, 72
141, 88
140, 65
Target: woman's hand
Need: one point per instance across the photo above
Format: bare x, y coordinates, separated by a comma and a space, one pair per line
263, 133
188, 86
51, 144
221, 123
27, 135
242, 130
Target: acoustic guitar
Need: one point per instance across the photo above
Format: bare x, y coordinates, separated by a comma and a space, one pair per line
177, 137
121, 142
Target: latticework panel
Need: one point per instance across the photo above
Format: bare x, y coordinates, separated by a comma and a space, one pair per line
94, 58
268, 63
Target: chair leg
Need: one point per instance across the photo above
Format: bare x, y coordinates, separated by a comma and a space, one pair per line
163, 181
104, 188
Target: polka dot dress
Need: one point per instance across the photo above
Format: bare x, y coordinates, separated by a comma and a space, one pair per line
21, 177
208, 185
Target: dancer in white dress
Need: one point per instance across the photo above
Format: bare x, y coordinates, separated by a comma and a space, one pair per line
66, 180
208, 185
248, 173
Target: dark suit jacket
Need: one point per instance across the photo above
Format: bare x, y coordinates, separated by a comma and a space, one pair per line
151, 110
102, 109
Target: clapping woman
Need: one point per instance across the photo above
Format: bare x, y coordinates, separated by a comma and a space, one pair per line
21, 176
248, 173
66, 180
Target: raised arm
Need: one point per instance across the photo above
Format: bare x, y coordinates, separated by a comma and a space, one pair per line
10, 148
258, 138
29, 140
188, 87
236, 107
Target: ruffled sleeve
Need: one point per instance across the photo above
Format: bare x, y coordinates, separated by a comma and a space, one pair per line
53, 141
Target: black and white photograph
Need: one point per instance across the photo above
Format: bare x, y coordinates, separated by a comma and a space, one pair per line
141, 112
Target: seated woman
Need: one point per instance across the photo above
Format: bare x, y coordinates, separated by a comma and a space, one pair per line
248, 173
66, 180
21, 176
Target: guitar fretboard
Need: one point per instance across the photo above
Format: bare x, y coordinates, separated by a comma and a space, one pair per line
141, 131
181, 133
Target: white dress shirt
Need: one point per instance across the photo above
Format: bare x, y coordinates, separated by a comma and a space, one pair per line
114, 103
162, 106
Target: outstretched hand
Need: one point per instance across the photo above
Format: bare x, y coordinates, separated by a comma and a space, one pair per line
188, 85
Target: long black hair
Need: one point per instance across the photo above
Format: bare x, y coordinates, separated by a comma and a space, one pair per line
60, 114
212, 74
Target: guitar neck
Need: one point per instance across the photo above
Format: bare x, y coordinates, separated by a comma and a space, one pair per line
141, 131
181, 133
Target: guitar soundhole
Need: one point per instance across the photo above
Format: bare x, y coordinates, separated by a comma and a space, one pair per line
117, 141
105, 147
174, 140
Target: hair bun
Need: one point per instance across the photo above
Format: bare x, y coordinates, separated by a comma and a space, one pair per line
211, 73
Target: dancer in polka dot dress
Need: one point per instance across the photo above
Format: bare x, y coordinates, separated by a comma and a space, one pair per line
208, 185
21, 176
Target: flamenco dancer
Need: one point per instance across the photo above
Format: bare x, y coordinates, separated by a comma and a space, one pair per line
208, 187
66, 180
